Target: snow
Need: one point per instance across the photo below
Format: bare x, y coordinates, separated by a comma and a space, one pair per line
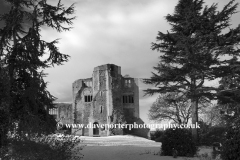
125, 147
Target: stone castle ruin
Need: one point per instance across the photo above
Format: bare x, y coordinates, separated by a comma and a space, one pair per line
102, 99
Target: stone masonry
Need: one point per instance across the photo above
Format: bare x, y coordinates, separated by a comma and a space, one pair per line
95, 99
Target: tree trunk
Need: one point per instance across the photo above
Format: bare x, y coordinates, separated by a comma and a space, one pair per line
194, 106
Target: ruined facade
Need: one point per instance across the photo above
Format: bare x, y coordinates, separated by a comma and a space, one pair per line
95, 99
62, 113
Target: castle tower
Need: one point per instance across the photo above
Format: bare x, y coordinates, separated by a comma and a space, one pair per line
96, 99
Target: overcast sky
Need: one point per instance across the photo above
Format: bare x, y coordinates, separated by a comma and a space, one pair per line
116, 32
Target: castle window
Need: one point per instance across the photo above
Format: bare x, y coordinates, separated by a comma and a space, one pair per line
101, 109
88, 98
54, 112
128, 99
101, 93
127, 83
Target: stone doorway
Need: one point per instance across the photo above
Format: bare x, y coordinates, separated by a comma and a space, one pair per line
95, 129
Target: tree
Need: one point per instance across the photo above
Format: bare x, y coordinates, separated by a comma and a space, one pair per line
21, 52
174, 107
211, 115
229, 104
229, 92
4, 97
170, 107
191, 52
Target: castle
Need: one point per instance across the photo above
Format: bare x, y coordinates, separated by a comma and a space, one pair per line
96, 99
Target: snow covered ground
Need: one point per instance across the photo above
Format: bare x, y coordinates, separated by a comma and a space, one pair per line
125, 147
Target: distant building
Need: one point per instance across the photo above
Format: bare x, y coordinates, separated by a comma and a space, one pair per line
62, 112
95, 99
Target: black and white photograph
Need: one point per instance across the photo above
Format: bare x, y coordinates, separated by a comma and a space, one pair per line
119, 79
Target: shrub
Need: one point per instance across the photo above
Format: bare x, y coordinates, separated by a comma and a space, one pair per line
206, 156
179, 140
230, 149
43, 148
116, 131
159, 139
212, 134
157, 135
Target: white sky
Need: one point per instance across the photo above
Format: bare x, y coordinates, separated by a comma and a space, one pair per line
112, 31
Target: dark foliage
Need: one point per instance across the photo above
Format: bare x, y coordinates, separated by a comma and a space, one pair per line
179, 140
210, 134
116, 131
117, 118
192, 51
229, 104
26, 99
42, 148
157, 135
231, 147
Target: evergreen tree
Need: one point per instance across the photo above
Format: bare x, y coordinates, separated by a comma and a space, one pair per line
4, 98
229, 102
192, 51
21, 52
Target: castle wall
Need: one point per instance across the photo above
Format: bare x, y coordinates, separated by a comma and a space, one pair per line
107, 88
99, 101
81, 109
64, 112
136, 98
103, 77
130, 89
